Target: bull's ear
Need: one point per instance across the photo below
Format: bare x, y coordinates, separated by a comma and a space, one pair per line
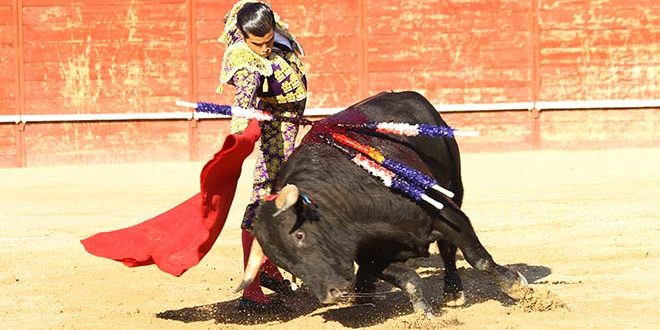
310, 212
287, 197
308, 209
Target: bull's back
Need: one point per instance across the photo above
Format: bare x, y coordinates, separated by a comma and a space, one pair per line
439, 156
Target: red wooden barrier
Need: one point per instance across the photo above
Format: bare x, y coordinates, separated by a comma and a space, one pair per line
139, 56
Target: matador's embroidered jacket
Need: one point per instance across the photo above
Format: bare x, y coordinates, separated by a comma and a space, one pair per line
263, 83
276, 84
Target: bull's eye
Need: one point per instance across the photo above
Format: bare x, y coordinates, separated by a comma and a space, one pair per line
300, 236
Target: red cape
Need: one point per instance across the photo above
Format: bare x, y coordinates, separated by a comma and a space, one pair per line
179, 238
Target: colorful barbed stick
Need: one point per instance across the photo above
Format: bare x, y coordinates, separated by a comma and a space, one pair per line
384, 127
411, 174
228, 110
389, 178
409, 129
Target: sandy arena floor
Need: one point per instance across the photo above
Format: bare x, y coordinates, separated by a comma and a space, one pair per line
582, 226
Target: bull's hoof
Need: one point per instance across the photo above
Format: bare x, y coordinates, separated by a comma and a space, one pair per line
423, 308
425, 311
518, 289
455, 299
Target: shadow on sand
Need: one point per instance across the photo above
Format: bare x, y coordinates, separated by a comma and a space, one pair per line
227, 312
391, 303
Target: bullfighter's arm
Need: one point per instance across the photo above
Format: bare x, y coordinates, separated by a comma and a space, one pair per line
246, 83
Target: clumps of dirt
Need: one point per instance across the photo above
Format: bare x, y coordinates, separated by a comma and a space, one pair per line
539, 300
10, 280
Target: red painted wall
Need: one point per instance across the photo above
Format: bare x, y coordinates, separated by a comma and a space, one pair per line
599, 49
133, 56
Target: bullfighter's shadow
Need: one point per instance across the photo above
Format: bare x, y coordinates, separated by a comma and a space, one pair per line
389, 304
227, 312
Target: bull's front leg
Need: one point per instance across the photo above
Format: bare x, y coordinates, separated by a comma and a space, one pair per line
399, 275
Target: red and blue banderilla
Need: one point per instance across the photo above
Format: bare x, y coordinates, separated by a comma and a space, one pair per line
379, 127
394, 174
412, 188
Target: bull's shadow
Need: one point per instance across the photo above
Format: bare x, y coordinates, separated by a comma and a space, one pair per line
477, 286
391, 303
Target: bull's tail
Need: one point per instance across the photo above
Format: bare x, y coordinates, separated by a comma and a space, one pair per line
454, 153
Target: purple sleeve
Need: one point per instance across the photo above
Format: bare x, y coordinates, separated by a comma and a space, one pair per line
246, 83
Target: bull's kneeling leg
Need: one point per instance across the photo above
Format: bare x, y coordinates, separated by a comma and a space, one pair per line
408, 281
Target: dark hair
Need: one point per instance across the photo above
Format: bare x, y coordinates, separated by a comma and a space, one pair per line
256, 19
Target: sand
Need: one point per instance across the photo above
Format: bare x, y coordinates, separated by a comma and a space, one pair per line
582, 226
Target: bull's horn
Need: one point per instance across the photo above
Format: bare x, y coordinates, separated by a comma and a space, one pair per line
255, 260
287, 197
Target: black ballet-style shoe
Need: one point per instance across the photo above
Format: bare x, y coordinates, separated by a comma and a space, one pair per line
279, 287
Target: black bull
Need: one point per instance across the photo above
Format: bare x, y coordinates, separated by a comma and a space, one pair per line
341, 214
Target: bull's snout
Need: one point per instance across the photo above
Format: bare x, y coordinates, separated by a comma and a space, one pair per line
334, 296
337, 294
